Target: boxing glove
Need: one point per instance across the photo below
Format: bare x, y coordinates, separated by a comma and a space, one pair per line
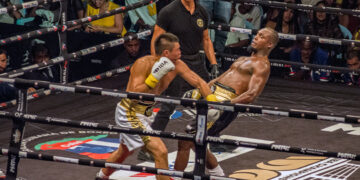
159, 70
195, 94
192, 94
211, 97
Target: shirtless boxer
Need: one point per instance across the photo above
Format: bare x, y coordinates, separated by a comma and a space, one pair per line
151, 74
241, 83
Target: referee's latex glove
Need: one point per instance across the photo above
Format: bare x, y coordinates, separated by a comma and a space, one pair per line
214, 71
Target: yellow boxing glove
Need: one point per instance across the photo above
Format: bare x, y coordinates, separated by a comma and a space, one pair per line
211, 97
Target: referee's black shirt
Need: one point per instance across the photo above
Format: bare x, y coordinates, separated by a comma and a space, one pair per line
176, 19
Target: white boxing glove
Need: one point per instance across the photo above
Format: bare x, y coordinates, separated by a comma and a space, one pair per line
159, 70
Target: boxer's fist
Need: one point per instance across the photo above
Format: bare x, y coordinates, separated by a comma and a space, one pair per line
211, 97
159, 70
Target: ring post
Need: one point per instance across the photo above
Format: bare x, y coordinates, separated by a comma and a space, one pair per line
16, 135
200, 140
64, 70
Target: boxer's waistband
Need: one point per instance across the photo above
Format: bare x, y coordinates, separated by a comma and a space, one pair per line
223, 92
137, 106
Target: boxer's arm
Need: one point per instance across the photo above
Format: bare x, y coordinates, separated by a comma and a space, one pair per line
193, 79
157, 32
139, 72
261, 72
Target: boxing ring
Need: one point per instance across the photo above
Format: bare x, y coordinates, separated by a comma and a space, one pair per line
264, 121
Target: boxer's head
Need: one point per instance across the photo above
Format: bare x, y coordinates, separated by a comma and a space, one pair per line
266, 38
168, 45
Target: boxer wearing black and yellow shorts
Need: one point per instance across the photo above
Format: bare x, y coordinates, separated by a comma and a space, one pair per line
137, 115
215, 116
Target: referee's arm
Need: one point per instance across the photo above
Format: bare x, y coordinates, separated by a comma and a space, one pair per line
208, 47
157, 32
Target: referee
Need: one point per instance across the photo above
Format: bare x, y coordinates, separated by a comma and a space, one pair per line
189, 21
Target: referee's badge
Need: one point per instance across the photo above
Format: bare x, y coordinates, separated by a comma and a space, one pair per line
200, 22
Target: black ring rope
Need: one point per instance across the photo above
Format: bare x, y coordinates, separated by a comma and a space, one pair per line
73, 23
294, 37
304, 7
25, 5
83, 52
288, 64
173, 135
270, 110
103, 164
103, 75
31, 96
42, 92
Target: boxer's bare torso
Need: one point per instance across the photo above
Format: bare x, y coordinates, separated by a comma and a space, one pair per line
239, 74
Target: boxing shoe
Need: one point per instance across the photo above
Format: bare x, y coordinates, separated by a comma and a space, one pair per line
98, 177
2, 174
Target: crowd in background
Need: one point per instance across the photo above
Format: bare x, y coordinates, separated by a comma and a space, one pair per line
241, 15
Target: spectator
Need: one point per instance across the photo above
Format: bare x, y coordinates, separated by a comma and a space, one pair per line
143, 17
7, 91
40, 54
350, 22
353, 63
3, 60
219, 11
236, 42
251, 14
133, 50
12, 16
75, 10
352, 60
272, 15
287, 24
308, 53
245, 16
326, 25
323, 24
42, 16
111, 24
